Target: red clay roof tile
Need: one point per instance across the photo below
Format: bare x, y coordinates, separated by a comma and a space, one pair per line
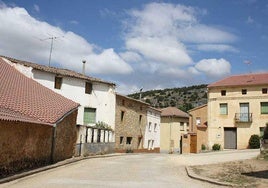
173, 111
24, 99
242, 80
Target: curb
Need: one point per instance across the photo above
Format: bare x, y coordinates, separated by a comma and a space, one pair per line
52, 166
193, 175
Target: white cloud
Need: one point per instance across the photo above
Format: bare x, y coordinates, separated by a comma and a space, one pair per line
75, 22
20, 36
214, 68
160, 49
130, 56
216, 47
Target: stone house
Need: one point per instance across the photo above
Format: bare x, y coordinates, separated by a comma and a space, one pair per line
152, 130
174, 124
237, 109
130, 124
198, 134
95, 96
37, 125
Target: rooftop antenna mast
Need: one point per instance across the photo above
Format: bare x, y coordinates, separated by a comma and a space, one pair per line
51, 47
248, 63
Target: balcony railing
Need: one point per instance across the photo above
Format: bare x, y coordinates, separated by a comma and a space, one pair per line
243, 117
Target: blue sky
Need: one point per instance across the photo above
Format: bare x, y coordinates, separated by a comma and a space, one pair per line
140, 43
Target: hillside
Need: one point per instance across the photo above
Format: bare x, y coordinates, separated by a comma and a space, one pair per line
184, 98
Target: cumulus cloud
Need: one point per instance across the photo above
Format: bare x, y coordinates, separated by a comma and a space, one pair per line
164, 35
216, 47
20, 36
214, 68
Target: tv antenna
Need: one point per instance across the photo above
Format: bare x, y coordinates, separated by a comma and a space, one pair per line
52, 38
248, 63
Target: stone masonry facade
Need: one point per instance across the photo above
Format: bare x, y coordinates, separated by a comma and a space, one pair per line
130, 124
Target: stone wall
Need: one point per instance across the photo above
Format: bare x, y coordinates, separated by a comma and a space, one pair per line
27, 145
132, 125
23, 146
66, 136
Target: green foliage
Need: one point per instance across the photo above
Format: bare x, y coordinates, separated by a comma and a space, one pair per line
254, 141
103, 125
216, 147
203, 147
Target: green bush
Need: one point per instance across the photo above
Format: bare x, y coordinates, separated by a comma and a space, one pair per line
203, 147
254, 141
216, 147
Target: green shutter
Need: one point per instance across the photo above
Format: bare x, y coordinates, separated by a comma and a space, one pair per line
264, 107
89, 115
223, 109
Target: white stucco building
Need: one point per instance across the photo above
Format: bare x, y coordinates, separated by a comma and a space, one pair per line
152, 131
96, 97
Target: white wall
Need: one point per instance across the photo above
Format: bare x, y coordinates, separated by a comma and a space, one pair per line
102, 97
154, 117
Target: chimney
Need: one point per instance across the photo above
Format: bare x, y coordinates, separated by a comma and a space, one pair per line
84, 67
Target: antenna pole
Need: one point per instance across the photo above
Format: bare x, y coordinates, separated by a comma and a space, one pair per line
51, 46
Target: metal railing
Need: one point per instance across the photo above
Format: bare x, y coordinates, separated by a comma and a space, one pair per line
243, 117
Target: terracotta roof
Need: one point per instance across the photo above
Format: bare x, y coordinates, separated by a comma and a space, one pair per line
173, 111
63, 72
198, 107
242, 80
23, 99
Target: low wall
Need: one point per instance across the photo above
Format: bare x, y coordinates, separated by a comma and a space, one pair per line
155, 150
86, 149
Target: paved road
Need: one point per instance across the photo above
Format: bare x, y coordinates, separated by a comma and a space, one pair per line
141, 170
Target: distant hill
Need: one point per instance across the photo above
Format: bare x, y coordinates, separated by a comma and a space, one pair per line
184, 98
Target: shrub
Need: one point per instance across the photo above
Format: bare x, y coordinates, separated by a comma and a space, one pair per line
203, 147
254, 141
216, 147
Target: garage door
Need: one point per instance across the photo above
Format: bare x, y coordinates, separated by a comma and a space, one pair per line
230, 138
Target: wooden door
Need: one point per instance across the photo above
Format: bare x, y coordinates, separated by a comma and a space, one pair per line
230, 138
193, 144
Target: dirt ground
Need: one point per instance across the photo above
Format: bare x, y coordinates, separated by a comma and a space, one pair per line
245, 173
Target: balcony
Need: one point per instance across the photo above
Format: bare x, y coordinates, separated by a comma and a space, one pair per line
243, 117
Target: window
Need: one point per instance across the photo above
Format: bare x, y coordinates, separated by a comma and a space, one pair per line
140, 119
89, 115
264, 90
122, 115
244, 91
121, 140
223, 92
223, 109
88, 88
150, 126
198, 121
58, 82
264, 107
129, 140
181, 126
155, 127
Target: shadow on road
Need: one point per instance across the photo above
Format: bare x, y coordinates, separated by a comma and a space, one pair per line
258, 174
